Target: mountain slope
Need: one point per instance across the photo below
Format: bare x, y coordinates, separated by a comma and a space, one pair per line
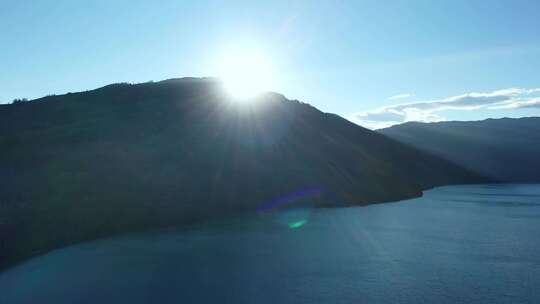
503, 149
130, 157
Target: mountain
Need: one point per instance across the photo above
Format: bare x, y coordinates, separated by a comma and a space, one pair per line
131, 157
506, 149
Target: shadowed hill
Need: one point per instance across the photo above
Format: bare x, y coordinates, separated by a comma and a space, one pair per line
504, 149
130, 157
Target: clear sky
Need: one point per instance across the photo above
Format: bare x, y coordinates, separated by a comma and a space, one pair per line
343, 57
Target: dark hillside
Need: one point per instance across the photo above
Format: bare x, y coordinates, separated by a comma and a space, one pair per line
131, 157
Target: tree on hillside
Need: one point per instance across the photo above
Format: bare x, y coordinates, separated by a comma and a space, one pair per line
19, 100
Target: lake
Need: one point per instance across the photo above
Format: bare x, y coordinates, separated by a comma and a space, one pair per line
456, 244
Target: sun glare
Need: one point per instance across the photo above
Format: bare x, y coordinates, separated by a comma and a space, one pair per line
245, 74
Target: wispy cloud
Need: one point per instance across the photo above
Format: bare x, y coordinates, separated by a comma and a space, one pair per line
400, 96
518, 104
426, 111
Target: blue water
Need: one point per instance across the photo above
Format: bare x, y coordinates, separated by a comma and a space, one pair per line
459, 244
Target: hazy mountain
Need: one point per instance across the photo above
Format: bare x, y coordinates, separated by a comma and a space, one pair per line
130, 157
504, 149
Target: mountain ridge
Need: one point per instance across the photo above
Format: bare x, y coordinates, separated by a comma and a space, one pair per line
503, 149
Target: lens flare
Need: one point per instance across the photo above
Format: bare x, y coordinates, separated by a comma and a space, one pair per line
296, 207
297, 224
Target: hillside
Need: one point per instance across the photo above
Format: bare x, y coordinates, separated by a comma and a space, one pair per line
131, 157
504, 149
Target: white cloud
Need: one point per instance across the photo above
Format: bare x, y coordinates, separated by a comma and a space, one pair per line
400, 96
425, 111
519, 104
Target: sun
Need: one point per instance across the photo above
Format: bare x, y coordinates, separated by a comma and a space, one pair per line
245, 74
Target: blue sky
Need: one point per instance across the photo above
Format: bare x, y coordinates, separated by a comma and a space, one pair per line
343, 57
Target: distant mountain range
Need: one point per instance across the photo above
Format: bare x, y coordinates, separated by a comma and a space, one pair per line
506, 150
131, 157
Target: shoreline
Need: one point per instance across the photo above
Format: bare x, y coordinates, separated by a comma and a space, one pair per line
14, 262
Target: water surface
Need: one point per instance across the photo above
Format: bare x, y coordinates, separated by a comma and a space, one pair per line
467, 244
